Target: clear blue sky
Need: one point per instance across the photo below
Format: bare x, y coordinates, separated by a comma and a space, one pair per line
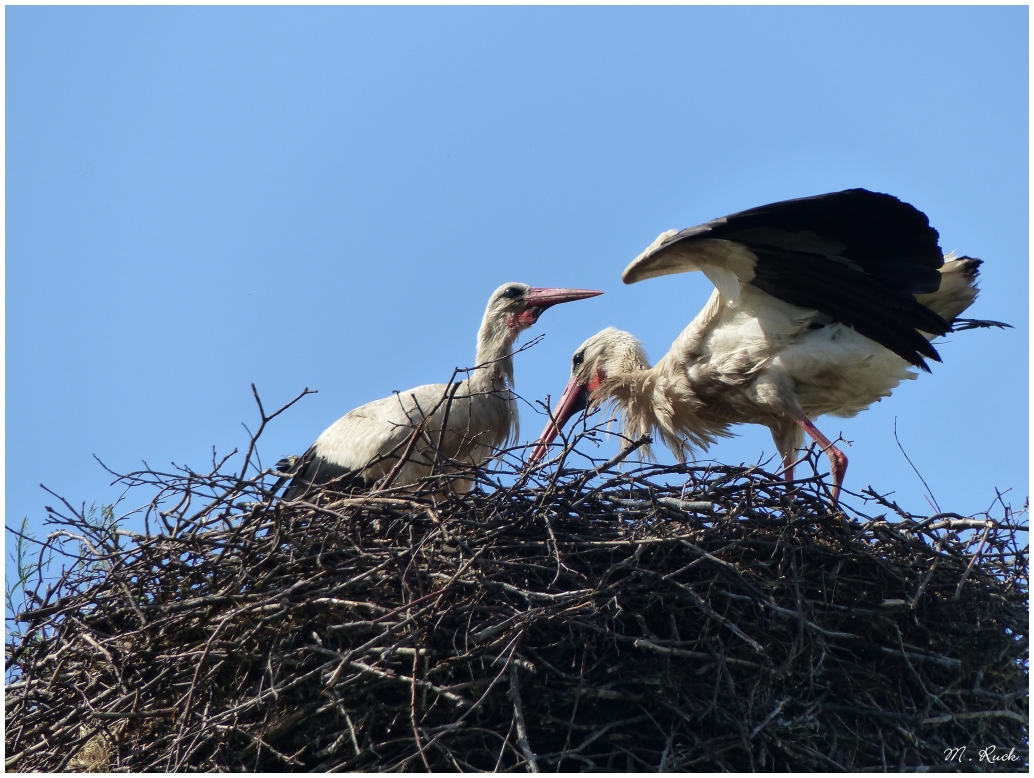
202, 198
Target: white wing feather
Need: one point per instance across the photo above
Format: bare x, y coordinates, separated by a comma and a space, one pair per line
726, 264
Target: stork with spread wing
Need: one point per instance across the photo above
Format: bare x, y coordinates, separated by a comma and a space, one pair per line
821, 305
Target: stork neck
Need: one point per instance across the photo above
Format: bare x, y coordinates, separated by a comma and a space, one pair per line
494, 359
660, 400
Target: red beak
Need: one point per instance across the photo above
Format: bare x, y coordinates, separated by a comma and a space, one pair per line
538, 300
544, 298
573, 399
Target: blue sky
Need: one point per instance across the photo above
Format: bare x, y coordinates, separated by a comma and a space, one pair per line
202, 198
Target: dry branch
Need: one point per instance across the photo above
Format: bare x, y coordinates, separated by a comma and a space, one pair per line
675, 618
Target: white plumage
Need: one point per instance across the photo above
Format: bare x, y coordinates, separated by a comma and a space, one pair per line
821, 306
457, 425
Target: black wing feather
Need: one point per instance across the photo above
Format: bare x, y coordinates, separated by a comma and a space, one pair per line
879, 234
890, 317
857, 256
314, 472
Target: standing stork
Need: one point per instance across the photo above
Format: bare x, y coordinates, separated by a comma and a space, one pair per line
820, 306
462, 422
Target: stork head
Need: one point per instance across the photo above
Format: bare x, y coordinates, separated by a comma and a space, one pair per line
520, 305
595, 366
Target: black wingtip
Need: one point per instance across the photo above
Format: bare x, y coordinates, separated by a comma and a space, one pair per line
970, 266
314, 473
961, 325
288, 465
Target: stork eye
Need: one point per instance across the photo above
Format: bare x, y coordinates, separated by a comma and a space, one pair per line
578, 359
511, 292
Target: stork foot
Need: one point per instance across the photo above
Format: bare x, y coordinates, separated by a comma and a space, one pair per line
837, 458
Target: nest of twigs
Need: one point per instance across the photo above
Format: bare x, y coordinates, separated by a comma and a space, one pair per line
645, 618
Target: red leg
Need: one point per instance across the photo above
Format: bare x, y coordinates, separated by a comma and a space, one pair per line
837, 459
788, 465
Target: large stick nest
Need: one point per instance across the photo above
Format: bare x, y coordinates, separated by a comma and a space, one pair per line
675, 618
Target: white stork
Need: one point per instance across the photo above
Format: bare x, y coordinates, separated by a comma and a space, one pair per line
820, 306
479, 413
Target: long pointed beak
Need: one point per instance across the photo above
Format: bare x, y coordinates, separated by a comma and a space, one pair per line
544, 298
573, 399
